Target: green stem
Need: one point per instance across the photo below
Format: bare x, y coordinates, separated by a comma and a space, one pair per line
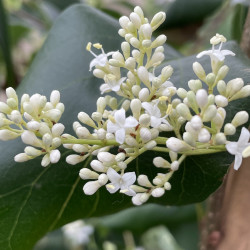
91, 142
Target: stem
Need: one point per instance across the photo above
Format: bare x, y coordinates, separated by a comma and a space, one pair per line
91, 142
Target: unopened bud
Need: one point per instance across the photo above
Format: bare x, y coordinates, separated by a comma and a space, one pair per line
221, 86
145, 134
135, 19
175, 165
229, 129
199, 71
240, 118
86, 174
84, 118
158, 192
144, 94
204, 136
157, 20
184, 111
106, 157
125, 49
160, 40
201, 98
220, 139
210, 113
159, 162
177, 145
144, 181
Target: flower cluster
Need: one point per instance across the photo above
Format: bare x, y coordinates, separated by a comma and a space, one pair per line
148, 106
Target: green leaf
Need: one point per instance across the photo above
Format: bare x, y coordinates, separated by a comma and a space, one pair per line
35, 200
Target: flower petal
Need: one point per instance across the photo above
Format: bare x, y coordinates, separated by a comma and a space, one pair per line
244, 137
112, 127
203, 53
232, 147
148, 107
128, 179
113, 176
120, 135
130, 122
237, 161
120, 117
155, 122
104, 87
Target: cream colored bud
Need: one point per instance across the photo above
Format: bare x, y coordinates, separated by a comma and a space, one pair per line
240, 118
158, 192
97, 166
82, 133
135, 106
246, 152
150, 145
115, 63
145, 134
74, 159
125, 49
229, 129
55, 156
101, 104
244, 92
139, 12
130, 63
131, 141
158, 181
154, 133
124, 22
159, 162
53, 114
175, 165
131, 27
160, 40
76, 125
157, 20
144, 181
101, 134
135, 42
4, 108
146, 43
15, 116
6, 135
44, 128
144, 94
56, 142
22, 157
167, 186
157, 59
196, 122
86, 174
144, 119
165, 127
122, 32
177, 145
182, 93
57, 129
47, 140
120, 157
136, 54
192, 101
80, 148
204, 136
113, 103
221, 101
11, 93
166, 73
210, 78
221, 87
96, 116
143, 75
106, 157
103, 179
118, 56
60, 107
55, 97
135, 19
195, 85
210, 113
220, 139
30, 138
202, 98
199, 71
222, 72
84, 118
136, 89
184, 111
146, 30
12, 103
99, 73
110, 136
126, 105
234, 86
189, 138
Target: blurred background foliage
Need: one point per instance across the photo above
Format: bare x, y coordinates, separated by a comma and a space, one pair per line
24, 25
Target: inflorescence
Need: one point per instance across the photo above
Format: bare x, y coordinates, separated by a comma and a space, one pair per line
156, 106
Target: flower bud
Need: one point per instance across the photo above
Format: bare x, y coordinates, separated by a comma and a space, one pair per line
91, 187
97, 166
160, 40
150, 145
159, 162
4, 108
144, 94
146, 30
140, 198
244, 92
222, 72
182, 93
136, 89
56, 142
136, 54
192, 101
103, 179
189, 138
86, 174
15, 116
166, 73
57, 129
131, 141
11, 93
106, 157
184, 111
55, 156
156, 59
204, 136
55, 97
165, 127
221, 86
120, 157
229, 129
240, 118
144, 119
210, 113
30, 138
99, 73
175, 165
22, 157
125, 49
157, 20
145, 134
82, 132
113, 103
143, 75
46, 160
135, 42
199, 71
167, 186
101, 134
96, 116
122, 32
12, 103
234, 86
177, 145
144, 181
221, 101
84, 118
196, 122
158, 192
210, 78
220, 139
139, 12
124, 22
6, 135
195, 85
135, 19
201, 98
53, 114
135, 106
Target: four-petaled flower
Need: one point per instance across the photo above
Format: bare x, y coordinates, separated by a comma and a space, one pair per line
122, 182
217, 54
236, 148
120, 125
111, 83
155, 114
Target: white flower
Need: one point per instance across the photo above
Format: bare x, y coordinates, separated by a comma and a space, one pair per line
236, 148
99, 60
155, 114
216, 54
121, 124
122, 182
111, 84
